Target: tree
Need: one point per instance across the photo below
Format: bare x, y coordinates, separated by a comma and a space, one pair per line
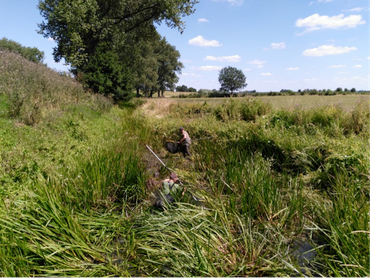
168, 66
78, 27
231, 79
125, 28
353, 90
182, 88
30, 53
142, 60
106, 75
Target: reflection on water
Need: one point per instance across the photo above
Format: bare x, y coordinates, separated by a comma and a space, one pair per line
304, 253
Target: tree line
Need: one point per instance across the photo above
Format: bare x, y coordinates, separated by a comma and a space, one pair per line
113, 46
30, 53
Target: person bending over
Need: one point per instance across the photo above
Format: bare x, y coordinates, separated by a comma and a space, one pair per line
185, 141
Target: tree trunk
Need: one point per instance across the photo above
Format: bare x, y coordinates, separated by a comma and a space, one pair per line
159, 93
137, 92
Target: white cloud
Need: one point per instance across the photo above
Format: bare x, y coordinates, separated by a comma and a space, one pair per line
200, 41
310, 79
291, 68
232, 2
336, 66
231, 59
357, 66
203, 20
247, 69
327, 50
317, 22
209, 68
191, 74
319, 1
279, 45
368, 58
257, 63
50, 39
266, 74
357, 9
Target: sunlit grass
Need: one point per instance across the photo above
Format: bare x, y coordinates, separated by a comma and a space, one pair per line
77, 187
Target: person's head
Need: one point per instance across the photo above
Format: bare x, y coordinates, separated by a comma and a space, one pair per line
181, 129
173, 177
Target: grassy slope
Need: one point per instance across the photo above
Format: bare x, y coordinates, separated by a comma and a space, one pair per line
77, 197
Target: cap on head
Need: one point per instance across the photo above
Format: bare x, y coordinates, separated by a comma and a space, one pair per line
181, 128
173, 176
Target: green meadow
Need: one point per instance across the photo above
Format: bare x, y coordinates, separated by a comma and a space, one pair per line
280, 189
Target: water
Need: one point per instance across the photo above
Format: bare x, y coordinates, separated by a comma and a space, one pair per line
304, 253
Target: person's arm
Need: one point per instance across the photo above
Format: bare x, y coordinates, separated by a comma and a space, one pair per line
183, 138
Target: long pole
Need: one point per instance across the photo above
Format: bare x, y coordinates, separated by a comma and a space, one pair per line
161, 161
158, 159
195, 198
203, 138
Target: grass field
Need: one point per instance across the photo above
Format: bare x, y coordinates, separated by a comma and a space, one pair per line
289, 102
279, 189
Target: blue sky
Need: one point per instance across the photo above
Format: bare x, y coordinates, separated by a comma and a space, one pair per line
279, 44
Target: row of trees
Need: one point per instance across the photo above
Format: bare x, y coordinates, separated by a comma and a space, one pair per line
30, 53
184, 88
113, 45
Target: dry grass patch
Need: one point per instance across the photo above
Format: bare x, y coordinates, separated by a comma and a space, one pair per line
158, 108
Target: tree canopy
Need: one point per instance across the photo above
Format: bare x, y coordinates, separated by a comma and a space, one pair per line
78, 27
90, 33
32, 54
231, 79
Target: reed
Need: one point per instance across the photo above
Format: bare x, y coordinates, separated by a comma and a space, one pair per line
77, 192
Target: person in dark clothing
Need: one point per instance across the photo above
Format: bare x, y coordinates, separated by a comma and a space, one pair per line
185, 141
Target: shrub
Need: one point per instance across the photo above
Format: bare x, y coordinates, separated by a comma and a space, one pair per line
252, 108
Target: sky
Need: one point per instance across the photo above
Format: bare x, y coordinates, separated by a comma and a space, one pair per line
278, 44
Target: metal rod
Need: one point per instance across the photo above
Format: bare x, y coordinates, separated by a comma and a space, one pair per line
161, 162
158, 159
203, 138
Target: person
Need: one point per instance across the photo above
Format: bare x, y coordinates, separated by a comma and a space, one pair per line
171, 191
186, 141
169, 186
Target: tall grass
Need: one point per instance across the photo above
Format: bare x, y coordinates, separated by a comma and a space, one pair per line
77, 186
34, 90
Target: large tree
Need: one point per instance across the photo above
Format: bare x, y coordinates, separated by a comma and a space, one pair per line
111, 36
168, 66
79, 27
231, 79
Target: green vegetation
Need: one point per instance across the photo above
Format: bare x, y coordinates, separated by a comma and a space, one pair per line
113, 46
77, 184
231, 79
30, 53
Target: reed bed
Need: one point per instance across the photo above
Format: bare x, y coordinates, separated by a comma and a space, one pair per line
77, 192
